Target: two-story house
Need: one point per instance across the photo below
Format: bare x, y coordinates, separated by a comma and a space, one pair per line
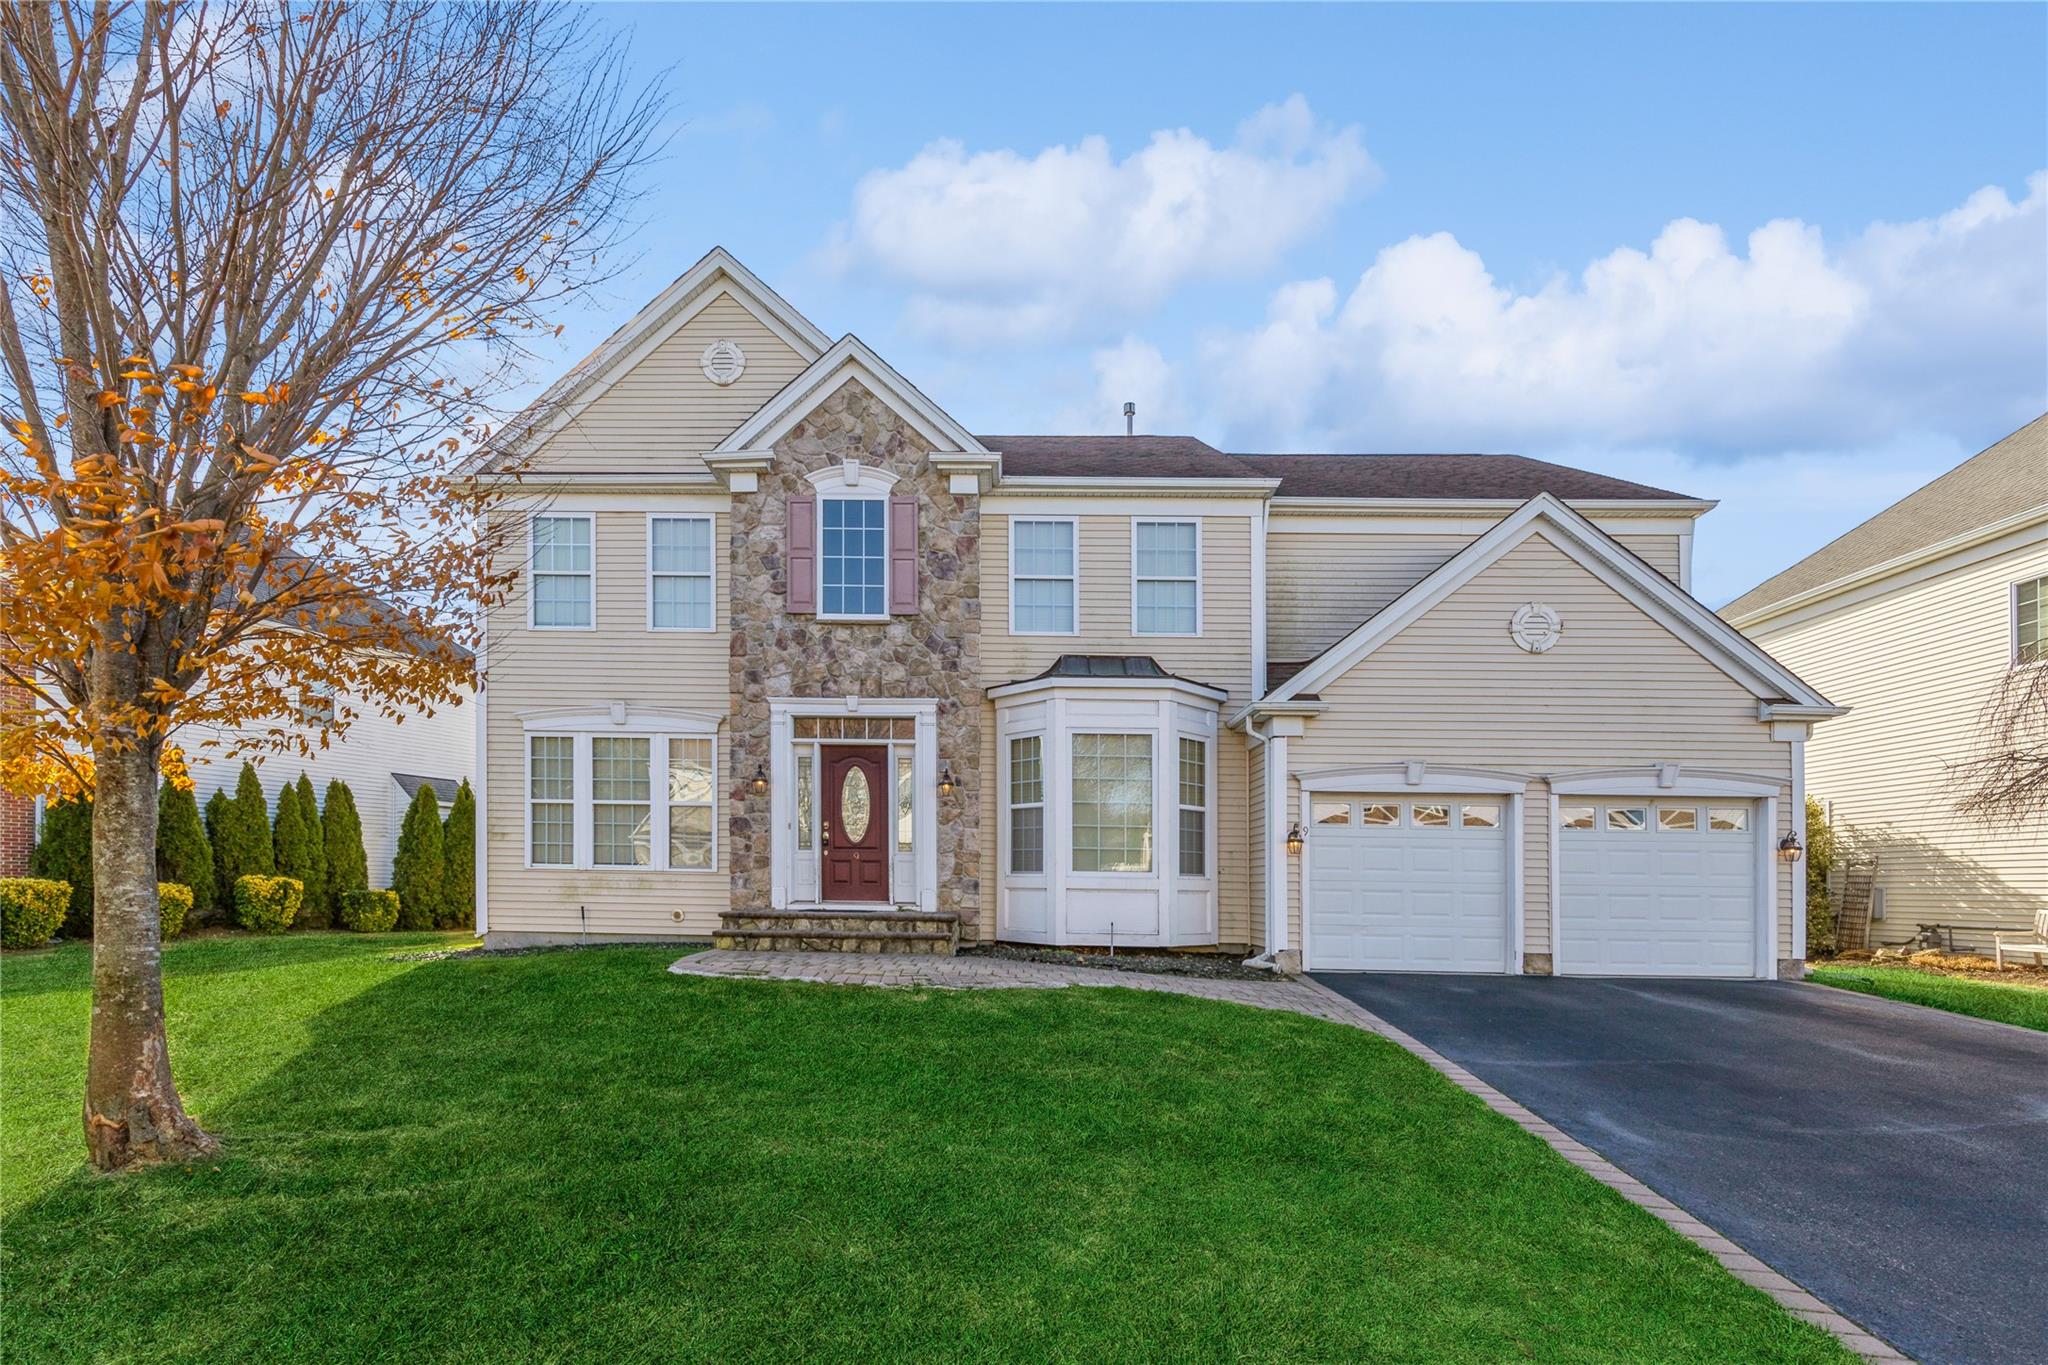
789, 641
1919, 619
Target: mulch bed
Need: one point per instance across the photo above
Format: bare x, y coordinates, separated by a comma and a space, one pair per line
1214, 966
1933, 962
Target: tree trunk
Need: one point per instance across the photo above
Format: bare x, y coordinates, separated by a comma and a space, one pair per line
132, 1112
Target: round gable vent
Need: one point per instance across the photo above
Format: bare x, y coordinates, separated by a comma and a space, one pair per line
724, 362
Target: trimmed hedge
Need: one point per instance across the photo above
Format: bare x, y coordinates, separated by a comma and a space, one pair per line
183, 854
31, 908
369, 912
267, 904
173, 905
458, 861
64, 854
417, 868
348, 866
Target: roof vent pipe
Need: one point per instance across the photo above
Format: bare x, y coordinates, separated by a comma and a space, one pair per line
1130, 419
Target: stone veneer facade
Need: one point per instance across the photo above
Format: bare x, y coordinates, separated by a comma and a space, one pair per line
935, 654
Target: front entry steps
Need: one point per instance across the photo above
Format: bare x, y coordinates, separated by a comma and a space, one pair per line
839, 931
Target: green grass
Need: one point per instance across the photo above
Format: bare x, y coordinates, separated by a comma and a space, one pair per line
577, 1156
2026, 1006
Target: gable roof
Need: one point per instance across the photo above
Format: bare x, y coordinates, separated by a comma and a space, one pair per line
1600, 555
848, 358
1512, 478
716, 274
1998, 484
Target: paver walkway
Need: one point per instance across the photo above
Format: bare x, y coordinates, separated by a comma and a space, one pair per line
1297, 995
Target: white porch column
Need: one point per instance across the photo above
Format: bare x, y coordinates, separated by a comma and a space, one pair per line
1798, 868
1278, 730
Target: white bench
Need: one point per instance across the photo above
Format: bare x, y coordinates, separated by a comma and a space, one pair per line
2035, 943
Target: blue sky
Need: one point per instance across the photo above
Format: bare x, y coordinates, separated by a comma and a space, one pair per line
1795, 258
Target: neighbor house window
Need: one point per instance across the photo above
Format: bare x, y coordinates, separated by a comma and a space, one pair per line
316, 703
853, 557
562, 575
691, 802
2030, 621
1166, 587
1194, 808
550, 799
1042, 577
621, 802
679, 573
1112, 791
1027, 804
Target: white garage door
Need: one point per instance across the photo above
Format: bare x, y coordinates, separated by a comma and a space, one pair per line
1408, 884
1657, 888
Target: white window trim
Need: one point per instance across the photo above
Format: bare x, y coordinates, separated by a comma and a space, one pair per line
2012, 623
1154, 739
533, 576
619, 721
1008, 830
1073, 525
1136, 522
710, 575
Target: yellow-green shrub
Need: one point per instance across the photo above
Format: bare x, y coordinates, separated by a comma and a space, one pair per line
31, 908
369, 912
173, 904
268, 904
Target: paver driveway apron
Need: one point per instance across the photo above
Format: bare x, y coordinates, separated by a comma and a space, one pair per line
1892, 1159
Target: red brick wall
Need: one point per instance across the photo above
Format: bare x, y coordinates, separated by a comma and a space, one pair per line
17, 813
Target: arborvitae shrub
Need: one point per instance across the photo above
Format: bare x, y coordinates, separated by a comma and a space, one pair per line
348, 866
297, 843
31, 908
173, 905
183, 854
217, 807
417, 870
64, 854
318, 912
369, 912
241, 839
267, 904
458, 861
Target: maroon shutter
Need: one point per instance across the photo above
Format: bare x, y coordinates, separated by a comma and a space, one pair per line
902, 555
803, 554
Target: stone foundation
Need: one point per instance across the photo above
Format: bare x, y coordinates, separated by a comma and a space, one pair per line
1536, 964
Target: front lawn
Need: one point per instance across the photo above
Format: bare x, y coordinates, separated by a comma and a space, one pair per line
576, 1155
2026, 1006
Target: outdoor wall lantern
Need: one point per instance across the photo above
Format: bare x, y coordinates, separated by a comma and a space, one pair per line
1294, 839
946, 780
760, 779
1789, 849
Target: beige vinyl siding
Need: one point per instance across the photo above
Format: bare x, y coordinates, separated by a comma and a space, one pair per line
1221, 656
1618, 690
663, 413
1916, 664
620, 660
1659, 552
1322, 585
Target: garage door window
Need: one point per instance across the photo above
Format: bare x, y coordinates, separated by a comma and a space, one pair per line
1627, 819
1727, 819
1381, 814
1678, 819
1480, 815
1433, 817
1576, 817
1332, 812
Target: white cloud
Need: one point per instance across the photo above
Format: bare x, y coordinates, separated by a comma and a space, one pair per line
995, 246
1931, 326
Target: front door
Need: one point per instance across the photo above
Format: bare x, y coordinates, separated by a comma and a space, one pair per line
854, 836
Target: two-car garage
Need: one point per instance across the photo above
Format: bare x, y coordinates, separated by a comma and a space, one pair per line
1642, 886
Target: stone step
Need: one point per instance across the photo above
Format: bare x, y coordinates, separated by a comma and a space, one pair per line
811, 939
839, 921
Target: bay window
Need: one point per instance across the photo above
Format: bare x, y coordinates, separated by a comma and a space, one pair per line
1194, 808
1027, 804
1112, 803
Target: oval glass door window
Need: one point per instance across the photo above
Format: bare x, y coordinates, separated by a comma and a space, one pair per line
854, 800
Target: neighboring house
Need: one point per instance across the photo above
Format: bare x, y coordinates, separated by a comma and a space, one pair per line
788, 637
1914, 620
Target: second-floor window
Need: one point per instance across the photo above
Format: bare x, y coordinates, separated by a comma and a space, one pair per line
679, 592
563, 587
1166, 589
1042, 597
2030, 621
853, 557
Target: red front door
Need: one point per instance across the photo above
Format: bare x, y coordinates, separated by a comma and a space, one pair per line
856, 826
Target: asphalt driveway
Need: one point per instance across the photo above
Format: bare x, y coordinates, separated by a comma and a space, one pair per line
1892, 1159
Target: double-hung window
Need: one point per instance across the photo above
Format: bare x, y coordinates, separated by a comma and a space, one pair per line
1027, 804
1042, 577
561, 555
2030, 621
853, 558
640, 801
1166, 588
679, 591
1194, 808
1112, 803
